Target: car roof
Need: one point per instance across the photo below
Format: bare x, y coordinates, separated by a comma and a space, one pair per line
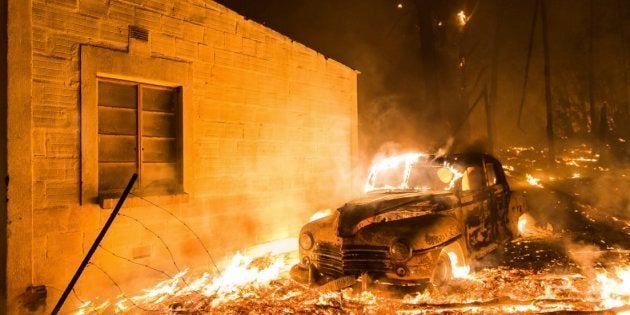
470, 158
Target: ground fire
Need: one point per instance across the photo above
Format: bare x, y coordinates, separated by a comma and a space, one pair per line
497, 132
550, 267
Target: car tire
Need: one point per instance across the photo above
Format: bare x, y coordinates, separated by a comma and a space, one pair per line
443, 271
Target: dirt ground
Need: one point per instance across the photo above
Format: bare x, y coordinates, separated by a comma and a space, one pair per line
574, 257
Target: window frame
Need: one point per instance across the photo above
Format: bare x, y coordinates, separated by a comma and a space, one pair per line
136, 65
465, 181
490, 168
139, 128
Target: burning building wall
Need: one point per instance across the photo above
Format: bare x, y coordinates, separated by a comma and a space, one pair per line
237, 131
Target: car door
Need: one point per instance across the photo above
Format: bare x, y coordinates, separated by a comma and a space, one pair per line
499, 194
474, 208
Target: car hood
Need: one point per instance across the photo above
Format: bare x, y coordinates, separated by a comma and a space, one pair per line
375, 207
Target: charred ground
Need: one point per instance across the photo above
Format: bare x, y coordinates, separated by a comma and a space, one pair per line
573, 255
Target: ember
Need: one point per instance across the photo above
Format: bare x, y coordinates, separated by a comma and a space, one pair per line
527, 227
459, 270
245, 277
261, 284
490, 291
614, 287
462, 18
534, 181
540, 273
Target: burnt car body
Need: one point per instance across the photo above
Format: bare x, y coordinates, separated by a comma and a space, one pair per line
448, 212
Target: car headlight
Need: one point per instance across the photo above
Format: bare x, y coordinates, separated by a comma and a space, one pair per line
306, 240
399, 250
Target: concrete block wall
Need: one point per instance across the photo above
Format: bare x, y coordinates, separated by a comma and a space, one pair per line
274, 139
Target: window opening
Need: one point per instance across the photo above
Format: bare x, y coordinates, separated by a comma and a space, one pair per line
139, 131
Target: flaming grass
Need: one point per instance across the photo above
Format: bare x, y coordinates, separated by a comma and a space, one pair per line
261, 285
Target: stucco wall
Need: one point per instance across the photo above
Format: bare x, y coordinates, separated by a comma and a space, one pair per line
270, 137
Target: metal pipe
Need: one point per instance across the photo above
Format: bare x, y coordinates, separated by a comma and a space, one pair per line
95, 245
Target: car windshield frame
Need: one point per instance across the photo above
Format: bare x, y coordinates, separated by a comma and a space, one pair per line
429, 175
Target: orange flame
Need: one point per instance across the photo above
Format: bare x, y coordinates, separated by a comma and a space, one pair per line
407, 161
236, 281
462, 18
527, 227
614, 288
534, 181
458, 270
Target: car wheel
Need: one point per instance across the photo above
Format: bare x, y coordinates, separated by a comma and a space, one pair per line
443, 271
453, 262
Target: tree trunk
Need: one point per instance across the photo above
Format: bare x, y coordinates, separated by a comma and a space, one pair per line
491, 102
430, 59
530, 47
591, 79
624, 9
602, 136
547, 72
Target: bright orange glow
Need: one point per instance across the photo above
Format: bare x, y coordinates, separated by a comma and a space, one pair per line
614, 287
249, 278
462, 18
235, 281
320, 214
458, 269
527, 227
406, 162
89, 307
534, 181
228, 286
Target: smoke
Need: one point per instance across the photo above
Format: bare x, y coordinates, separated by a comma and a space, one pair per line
589, 214
479, 145
607, 193
584, 255
446, 148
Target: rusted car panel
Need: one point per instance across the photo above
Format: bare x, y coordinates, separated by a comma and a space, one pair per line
399, 235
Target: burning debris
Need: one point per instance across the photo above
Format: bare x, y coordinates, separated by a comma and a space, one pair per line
262, 285
462, 19
571, 163
533, 181
527, 227
545, 269
506, 290
246, 277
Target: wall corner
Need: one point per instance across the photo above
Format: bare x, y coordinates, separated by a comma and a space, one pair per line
19, 151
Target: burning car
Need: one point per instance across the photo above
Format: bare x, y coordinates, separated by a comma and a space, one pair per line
423, 218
